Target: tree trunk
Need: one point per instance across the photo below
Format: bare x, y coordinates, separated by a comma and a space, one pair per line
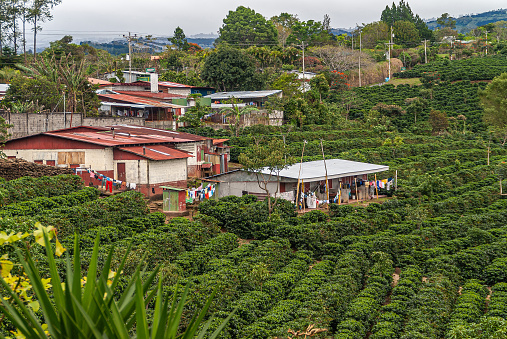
1, 39
14, 26
24, 32
35, 39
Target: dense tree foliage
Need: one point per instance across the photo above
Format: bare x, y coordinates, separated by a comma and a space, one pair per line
179, 40
403, 12
244, 27
493, 99
229, 69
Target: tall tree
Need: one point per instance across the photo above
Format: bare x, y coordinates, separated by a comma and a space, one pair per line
445, 20
493, 99
230, 69
40, 11
283, 24
373, 33
245, 27
179, 39
14, 11
3, 22
311, 31
266, 160
403, 12
405, 33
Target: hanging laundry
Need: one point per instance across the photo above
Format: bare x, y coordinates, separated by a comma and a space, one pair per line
109, 184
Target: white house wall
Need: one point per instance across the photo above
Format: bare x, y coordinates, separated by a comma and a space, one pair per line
96, 159
168, 170
237, 187
193, 148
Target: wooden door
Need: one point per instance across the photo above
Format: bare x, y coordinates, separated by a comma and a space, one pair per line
120, 169
174, 201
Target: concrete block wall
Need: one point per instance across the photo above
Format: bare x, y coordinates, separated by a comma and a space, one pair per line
25, 124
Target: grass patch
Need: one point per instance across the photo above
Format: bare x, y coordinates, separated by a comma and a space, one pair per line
409, 81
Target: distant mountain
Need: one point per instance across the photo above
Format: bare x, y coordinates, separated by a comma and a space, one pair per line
153, 45
466, 23
340, 31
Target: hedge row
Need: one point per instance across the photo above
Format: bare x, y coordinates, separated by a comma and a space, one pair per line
392, 316
28, 188
42, 204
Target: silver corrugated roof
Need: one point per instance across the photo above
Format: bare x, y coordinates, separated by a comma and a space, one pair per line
336, 168
242, 94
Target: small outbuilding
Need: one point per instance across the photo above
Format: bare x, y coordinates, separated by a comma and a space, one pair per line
342, 174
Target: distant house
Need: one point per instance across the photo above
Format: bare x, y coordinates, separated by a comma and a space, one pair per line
3, 90
304, 78
161, 113
257, 99
181, 89
146, 157
253, 98
152, 84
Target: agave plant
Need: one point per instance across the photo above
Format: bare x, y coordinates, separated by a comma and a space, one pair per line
97, 309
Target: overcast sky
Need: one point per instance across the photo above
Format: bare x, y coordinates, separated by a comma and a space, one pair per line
109, 18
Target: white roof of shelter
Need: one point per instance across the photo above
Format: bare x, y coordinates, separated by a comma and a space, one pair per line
336, 168
242, 94
4, 87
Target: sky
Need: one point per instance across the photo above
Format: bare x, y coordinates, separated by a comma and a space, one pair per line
100, 20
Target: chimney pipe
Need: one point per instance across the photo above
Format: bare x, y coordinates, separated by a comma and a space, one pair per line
112, 129
144, 150
154, 82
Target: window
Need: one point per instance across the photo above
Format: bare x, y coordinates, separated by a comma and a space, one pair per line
50, 162
38, 162
11, 157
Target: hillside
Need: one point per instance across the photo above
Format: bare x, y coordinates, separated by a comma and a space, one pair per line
468, 22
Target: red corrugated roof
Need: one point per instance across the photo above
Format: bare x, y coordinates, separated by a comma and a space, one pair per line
161, 96
136, 100
140, 130
173, 84
94, 81
156, 152
105, 138
219, 141
170, 84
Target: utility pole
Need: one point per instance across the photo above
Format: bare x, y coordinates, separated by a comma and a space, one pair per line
425, 55
486, 42
129, 39
303, 45
360, 49
390, 45
389, 51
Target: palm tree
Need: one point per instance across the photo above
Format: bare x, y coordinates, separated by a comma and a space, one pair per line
237, 111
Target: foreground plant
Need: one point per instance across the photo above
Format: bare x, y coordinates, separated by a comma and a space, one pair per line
97, 309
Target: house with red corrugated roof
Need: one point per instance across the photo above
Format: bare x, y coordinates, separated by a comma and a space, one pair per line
147, 157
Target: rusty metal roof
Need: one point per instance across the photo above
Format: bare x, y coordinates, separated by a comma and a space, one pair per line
170, 84
95, 81
137, 101
125, 135
160, 96
141, 130
219, 141
156, 152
